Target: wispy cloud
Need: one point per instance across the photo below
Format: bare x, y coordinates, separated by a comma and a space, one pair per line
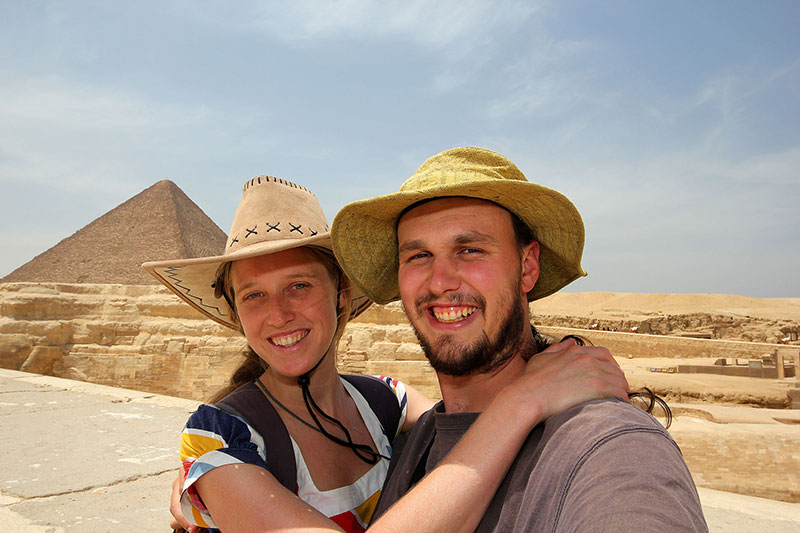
74, 135
458, 36
423, 22
542, 82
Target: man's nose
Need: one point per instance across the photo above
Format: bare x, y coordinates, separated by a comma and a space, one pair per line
443, 276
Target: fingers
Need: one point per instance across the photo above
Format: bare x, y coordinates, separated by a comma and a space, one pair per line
178, 521
560, 346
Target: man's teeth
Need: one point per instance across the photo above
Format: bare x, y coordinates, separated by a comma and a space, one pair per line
453, 314
288, 340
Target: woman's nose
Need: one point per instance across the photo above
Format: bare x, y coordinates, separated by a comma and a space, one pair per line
277, 312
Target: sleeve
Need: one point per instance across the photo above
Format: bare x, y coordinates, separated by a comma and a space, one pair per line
636, 481
213, 438
399, 390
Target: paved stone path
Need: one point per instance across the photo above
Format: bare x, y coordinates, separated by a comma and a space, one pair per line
76, 456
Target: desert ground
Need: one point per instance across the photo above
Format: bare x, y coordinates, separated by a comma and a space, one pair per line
742, 451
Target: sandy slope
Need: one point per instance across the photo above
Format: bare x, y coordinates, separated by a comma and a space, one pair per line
613, 304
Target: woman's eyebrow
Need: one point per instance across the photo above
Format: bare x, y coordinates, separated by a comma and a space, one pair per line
293, 276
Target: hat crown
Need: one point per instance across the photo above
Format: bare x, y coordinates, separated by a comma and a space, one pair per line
462, 165
274, 209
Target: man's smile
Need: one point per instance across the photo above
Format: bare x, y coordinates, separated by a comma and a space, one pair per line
451, 314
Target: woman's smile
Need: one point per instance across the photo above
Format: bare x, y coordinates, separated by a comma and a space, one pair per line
289, 339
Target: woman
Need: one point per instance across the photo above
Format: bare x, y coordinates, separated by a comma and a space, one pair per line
279, 284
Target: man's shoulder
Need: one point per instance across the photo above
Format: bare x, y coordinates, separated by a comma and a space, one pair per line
595, 423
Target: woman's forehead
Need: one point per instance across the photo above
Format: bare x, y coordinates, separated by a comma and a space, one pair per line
295, 262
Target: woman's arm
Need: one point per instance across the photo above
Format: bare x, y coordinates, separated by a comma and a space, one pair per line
261, 502
416, 404
455, 495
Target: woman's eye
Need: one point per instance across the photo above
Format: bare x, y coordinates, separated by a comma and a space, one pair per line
252, 296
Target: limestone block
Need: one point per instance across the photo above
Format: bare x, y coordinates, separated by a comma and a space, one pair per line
13, 344
794, 398
42, 359
410, 352
361, 339
400, 334
351, 355
382, 351
74, 373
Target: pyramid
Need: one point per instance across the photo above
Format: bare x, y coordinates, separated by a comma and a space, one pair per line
160, 222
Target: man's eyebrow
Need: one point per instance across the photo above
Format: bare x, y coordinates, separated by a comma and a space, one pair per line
462, 238
410, 245
474, 236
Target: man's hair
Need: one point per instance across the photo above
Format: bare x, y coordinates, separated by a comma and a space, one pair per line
523, 234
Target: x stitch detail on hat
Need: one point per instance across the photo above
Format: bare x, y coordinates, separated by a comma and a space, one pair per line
273, 215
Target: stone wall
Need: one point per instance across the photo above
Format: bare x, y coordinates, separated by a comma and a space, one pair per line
145, 338
644, 345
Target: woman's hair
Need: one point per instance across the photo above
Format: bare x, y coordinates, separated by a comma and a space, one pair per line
253, 365
645, 399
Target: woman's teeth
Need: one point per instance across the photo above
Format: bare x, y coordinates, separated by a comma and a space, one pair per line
453, 314
288, 340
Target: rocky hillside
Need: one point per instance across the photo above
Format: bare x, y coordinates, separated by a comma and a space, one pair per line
711, 316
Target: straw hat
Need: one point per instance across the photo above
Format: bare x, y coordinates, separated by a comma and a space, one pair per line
365, 232
273, 215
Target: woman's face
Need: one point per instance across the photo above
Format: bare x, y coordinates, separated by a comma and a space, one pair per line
286, 303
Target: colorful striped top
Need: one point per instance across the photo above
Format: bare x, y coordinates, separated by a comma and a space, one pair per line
213, 438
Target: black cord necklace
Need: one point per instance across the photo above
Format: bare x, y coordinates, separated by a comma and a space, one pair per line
362, 451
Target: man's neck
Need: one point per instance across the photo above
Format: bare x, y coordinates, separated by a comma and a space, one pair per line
472, 393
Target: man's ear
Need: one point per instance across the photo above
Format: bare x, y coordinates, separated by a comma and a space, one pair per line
530, 266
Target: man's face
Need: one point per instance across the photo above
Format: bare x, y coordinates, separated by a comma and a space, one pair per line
463, 281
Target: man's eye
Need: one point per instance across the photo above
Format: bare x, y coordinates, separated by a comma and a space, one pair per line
414, 257
300, 286
470, 251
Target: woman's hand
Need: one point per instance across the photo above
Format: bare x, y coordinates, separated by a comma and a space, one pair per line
178, 521
563, 376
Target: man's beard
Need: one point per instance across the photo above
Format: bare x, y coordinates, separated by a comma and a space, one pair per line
483, 356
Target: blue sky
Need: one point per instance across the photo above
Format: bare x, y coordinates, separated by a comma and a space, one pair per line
674, 127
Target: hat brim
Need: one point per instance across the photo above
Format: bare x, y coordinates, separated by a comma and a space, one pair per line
364, 233
193, 280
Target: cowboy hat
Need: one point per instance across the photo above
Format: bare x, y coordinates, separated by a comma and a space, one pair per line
273, 215
365, 232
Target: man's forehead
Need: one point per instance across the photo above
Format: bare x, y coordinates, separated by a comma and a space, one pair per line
437, 205
459, 219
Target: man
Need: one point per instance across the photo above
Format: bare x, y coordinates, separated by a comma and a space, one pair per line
466, 244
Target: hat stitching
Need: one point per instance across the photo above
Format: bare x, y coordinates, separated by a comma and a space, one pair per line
275, 227
172, 273
257, 181
296, 228
234, 241
251, 231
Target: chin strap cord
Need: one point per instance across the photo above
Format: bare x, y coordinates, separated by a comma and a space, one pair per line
362, 451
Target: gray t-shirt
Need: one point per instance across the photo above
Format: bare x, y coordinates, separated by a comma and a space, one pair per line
601, 466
